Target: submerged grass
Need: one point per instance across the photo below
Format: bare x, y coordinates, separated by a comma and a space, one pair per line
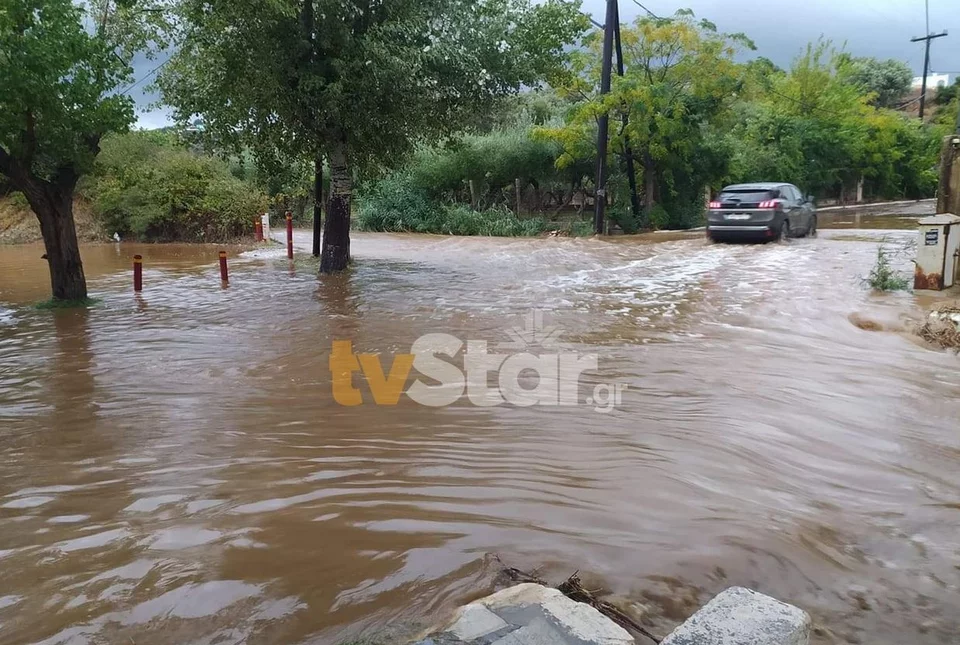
56, 303
300, 262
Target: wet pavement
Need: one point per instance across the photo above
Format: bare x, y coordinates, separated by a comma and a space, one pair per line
173, 467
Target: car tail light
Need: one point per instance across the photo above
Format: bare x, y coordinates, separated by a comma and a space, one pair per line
771, 203
715, 205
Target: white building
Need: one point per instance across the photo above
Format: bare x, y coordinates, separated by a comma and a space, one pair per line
933, 81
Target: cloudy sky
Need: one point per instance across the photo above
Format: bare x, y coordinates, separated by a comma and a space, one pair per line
782, 28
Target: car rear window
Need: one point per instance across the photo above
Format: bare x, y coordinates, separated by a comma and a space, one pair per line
753, 195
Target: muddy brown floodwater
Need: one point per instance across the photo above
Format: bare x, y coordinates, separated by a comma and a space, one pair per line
173, 468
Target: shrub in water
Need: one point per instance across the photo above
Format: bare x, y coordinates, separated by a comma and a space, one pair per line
883, 277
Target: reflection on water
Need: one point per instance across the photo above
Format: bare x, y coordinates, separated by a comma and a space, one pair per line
173, 467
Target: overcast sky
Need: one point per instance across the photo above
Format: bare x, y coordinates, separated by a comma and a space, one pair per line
782, 28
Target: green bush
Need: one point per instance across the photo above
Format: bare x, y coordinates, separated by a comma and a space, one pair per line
147, 187
580, 228
659, 217
398, 204
493, 160
497, 222
19, 201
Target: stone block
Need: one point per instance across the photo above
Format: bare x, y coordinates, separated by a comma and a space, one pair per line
577, 623
538, 632
473, 621
741, 616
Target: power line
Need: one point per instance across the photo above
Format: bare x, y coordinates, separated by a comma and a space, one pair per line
652, 15
145, 76
900, 106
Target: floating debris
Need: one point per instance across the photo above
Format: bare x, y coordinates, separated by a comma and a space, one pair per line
942, 328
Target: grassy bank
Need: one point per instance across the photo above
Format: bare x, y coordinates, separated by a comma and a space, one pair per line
18, 224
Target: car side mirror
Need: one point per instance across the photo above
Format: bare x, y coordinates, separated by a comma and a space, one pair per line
810, 199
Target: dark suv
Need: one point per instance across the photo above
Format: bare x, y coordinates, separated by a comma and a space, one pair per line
761, 212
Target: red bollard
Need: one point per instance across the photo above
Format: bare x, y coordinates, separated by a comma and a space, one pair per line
138, 273
223, 267
258, 230
289, 235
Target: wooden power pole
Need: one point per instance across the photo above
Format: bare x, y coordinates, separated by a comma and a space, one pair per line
926, 65
603, 126
627, 149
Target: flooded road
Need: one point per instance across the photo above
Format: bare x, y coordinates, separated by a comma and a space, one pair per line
173, 467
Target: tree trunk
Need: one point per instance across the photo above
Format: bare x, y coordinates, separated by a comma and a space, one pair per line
473, 194
335, 255
649, 183
53, 206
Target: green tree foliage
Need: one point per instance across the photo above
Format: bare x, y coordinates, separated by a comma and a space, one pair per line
697, 119
680, 81
816, 129
148, 187
886, 81
61, 64
357, 82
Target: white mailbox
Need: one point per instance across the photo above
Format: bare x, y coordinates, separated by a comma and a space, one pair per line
937, 252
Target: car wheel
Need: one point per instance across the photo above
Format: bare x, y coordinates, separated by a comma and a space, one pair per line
813, 227
784, 233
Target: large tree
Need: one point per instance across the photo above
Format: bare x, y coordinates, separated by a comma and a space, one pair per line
680, 78
357, 82
61, 64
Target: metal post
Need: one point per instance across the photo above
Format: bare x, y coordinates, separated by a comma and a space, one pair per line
317, 202
603, 129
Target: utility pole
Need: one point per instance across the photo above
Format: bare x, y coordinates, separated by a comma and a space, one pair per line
603, 126
926, 66
627, 150
926, 59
